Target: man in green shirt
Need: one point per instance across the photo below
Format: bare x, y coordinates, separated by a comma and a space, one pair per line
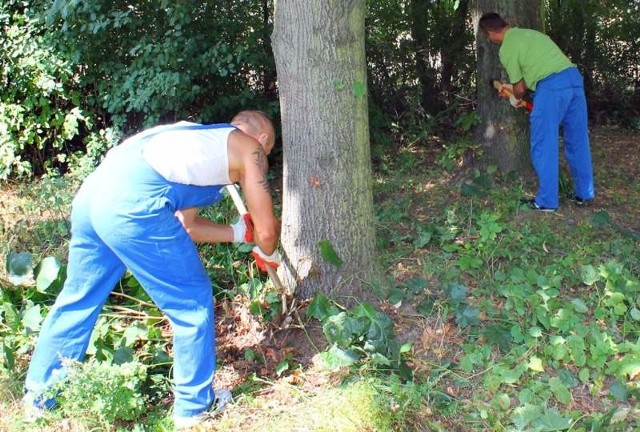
534, 62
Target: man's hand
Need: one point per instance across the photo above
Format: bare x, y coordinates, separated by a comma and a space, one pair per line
243, 229
506, 91
263, 260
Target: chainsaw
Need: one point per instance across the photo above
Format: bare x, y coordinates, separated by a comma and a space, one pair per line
507, 90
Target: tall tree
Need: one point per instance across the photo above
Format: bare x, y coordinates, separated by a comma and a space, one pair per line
328, 233
503, 131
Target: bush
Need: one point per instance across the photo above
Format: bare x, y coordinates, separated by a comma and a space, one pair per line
102, 393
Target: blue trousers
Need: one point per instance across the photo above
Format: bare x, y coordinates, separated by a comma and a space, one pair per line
559, 101
123, 217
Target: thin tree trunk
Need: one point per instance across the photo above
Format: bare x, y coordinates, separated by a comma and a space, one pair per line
327, 185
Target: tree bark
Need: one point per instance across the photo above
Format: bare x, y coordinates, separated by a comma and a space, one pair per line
327, 181
503, 130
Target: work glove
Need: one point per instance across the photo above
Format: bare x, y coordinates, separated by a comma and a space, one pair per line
263, 260
506, 91
243, 229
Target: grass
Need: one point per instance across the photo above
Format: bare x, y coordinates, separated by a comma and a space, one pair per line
517, 320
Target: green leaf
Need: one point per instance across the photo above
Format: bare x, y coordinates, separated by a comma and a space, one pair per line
9, 356
425, 307
553, 421
468, 315
560, 390
328, 253
456, 292
499, 335
336, 357
359, 89
601, 219
19, 267
32, 318
535, 364
281, 367
630, 366
405, 347
417, 285
134, 332
341, 329
524, 415
396, 296
589, 275
321, 308
502, 401
579, 305
472, 190
47, 273
619, 391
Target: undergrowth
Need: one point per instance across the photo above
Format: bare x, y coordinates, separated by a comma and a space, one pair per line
494, 318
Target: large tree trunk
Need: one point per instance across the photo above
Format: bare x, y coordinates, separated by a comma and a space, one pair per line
327, 186
503, 130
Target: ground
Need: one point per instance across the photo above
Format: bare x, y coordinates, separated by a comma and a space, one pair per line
616, 160
280, 358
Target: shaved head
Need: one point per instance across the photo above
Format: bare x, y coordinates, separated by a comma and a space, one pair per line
255, 123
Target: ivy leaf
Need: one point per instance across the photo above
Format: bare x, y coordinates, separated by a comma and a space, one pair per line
630, 366
525, 415
342, 329
589, 275
560, 390
468, 315
417, 285
498, 335
48, 271
472, 190
535, 364
19, 267
579, 305
9, 356
457, 293
281, 367
32, 318
336, 357
425, 307
601, 219
328, 253
321, 308
553, 421
359, 89
619, 391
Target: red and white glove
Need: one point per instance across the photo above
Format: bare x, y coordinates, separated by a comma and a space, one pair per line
243, 229
263, 260
506, 91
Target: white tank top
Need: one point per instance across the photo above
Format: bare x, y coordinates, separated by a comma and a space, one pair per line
190, 156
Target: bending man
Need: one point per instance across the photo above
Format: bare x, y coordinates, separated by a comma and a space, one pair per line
138, 211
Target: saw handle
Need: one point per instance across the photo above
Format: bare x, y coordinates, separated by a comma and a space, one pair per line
232, 189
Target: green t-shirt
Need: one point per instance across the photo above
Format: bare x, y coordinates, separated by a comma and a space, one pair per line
531, 55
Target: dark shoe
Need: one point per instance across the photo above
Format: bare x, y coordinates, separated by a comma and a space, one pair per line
222, 398
581, 202
531, 204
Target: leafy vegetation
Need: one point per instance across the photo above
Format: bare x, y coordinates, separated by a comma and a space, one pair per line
493, 318
496, 318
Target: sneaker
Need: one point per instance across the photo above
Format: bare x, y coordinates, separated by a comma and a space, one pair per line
31, 413
581, 202
533, 205
223, 397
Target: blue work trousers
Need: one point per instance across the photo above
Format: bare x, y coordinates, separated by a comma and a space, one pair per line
123, 217
559, 101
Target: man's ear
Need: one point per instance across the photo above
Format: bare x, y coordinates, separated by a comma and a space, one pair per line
263, 138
